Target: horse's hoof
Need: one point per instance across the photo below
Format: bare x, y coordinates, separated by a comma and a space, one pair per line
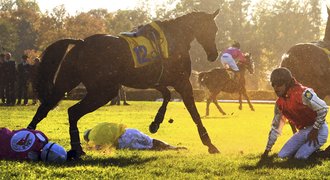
153, 128
74, 155
213, 150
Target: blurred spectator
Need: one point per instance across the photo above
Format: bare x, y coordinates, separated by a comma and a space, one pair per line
10, 78
121, 96
33, 79
23, 70
2, 78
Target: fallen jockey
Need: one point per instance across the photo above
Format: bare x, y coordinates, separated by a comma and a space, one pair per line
119, 137
26, 144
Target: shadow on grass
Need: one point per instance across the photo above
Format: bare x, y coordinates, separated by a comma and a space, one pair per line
120, 161
274, 162
220, 116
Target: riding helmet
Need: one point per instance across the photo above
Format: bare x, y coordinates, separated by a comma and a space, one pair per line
236, 44
53, 153
86, 134
281, 76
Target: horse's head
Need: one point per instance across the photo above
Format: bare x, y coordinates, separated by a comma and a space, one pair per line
249, 63
205, 31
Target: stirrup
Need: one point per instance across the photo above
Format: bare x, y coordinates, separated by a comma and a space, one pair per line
129, 34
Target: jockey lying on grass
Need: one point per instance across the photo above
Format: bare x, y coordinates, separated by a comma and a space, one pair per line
26, 144
118, 136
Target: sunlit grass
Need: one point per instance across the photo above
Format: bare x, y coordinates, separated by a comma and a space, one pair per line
241, 137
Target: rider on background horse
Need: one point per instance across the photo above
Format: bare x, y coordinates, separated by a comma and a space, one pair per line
229, 57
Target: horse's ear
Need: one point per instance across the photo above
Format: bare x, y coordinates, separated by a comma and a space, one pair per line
328, 10
216, 13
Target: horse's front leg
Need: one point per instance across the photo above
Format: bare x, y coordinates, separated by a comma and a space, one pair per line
248, 100
184, 88
215, 101
154, 126
240, 101
92, 101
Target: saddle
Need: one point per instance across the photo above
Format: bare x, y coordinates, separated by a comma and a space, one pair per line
149, 32
147, 43
232, 76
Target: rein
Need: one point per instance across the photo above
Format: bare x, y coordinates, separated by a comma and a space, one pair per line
161, 73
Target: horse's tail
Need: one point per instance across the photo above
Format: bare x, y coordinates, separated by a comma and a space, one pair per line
50, 62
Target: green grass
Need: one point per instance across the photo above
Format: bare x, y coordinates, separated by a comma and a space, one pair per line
241, 137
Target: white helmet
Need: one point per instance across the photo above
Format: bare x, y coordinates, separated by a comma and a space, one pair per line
53, 152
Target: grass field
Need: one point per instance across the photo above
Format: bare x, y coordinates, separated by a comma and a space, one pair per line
241, 137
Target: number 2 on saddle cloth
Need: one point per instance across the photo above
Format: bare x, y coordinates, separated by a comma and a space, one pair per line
141, 53
148, 47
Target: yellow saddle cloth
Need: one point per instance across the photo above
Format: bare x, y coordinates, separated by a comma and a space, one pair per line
144, 51
324, 45
326, 51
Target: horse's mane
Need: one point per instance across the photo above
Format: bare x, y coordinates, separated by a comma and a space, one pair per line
186, 17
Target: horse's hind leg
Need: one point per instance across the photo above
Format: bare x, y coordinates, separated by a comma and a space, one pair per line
208, 102
45, 107
92, 101
185, 89
154, 126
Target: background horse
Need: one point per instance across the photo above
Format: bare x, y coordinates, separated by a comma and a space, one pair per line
104, 62
309, 63
218, 79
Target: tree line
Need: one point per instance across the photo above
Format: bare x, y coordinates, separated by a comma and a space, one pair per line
266, 28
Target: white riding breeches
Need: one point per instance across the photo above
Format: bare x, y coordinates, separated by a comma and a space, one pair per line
298, 146
134, 139
228, 60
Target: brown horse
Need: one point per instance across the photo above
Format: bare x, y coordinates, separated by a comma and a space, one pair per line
103, 62
218, 79
309, 63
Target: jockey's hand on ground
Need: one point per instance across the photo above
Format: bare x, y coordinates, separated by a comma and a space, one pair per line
264, 158
312, 137
265, 154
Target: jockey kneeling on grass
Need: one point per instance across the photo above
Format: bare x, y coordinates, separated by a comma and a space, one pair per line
303, 108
